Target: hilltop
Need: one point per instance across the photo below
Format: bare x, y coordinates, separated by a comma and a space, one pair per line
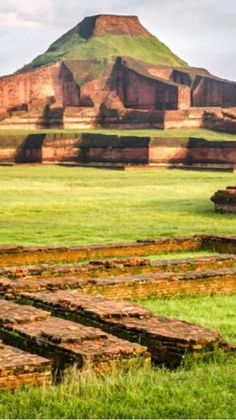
104, 36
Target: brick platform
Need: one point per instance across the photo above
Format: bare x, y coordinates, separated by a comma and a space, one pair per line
167, 340
65, 342
19, 368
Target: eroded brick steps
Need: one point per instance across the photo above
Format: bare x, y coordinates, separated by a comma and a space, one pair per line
167, 340
19, 368
65, 342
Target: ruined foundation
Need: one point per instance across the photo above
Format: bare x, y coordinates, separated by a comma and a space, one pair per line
100, 331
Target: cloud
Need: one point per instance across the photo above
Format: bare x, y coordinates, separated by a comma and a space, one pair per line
25, 13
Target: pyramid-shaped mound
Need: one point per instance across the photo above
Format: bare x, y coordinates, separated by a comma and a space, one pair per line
105, 36
110, 71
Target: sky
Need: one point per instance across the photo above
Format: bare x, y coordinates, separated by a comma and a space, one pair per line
202, 32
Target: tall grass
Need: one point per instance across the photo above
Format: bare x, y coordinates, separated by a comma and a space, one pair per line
201, 390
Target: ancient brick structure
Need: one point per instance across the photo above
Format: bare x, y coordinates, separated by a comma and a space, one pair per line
12, 255
115, 91
225, 200
19, 368
118, 151
65, 342
71, 292
167, 340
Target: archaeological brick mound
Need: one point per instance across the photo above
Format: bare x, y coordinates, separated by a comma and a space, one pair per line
109, 71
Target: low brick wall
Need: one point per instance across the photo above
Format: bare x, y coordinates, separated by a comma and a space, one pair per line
117, 266
12, 255
167, 340
65, 342
219, 243
219, 281
193, 152
113, 150
19, 368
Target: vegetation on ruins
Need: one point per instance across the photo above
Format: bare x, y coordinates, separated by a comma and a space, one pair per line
76, 44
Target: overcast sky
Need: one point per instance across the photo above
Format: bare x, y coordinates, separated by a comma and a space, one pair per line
202, 32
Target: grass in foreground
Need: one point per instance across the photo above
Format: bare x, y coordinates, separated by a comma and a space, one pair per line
56, 205
199, 389
203, 390
49, 205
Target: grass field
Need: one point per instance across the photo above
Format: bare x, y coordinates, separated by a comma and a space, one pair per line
58, 205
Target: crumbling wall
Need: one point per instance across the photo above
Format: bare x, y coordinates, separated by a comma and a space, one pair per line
39, 88
144, 93
209, 91
19, 91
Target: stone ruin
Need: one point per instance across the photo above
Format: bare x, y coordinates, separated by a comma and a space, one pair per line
55, 315
225, 200
62, 91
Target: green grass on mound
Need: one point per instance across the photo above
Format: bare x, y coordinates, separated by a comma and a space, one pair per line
72, 46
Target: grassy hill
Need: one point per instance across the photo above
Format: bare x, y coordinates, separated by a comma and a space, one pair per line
73, 46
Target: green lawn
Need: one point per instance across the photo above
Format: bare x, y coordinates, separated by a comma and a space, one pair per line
58, 205
170, 133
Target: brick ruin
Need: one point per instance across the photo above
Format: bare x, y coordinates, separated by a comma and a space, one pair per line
125, 95
124, 152
225, 200
115, 92
55, 315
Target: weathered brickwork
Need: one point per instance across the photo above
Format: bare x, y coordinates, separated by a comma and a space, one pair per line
10, 255
167, 340
117, 151
225, 200
74, 292
19, 368
64, 342
117, 266
219, 243
118, 92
